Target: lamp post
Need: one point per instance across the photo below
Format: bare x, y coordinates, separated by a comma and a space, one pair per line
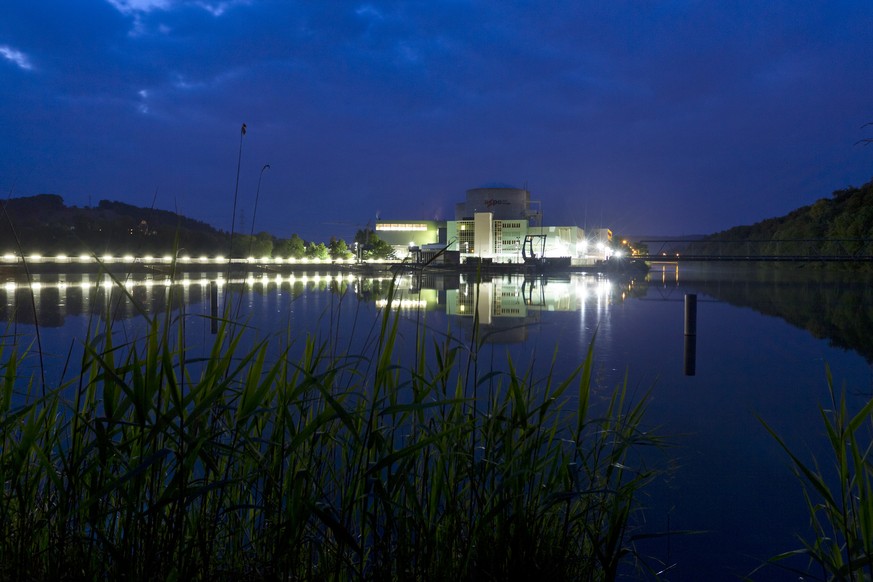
255, 211
242, 133
257, 194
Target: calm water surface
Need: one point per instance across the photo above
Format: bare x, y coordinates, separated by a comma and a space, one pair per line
764, 340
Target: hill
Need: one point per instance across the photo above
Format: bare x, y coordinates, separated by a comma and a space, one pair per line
44, 224
847, 215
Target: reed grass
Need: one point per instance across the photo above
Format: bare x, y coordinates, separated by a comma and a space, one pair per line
316, 463
839, 496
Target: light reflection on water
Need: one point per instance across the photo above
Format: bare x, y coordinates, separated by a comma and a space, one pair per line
728, 477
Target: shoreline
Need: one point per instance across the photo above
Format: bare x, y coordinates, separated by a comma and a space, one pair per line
279, 266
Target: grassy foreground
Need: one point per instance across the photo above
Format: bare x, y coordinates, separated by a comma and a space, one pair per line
839, 497
149, 464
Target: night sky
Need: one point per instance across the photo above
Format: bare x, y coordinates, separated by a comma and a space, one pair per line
650, 117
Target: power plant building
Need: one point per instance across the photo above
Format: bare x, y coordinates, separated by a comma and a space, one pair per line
492, 223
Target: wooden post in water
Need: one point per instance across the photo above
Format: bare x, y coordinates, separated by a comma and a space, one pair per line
690, 334
213, 306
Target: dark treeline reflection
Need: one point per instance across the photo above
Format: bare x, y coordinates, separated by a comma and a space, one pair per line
55, 303
832, 304
49, 301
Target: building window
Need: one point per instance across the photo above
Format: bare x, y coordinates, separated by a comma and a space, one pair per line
401, 226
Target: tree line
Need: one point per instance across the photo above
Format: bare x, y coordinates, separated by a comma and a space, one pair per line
43, 224
846, 216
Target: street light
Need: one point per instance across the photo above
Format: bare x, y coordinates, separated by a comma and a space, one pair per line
257, 194
255, 211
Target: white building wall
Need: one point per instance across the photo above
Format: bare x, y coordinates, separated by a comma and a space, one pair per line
484, 237
484, 301
562, 241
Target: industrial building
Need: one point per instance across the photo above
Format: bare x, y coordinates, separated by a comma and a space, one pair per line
492, 224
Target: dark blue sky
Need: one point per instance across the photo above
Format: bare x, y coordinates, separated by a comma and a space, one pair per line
650, 117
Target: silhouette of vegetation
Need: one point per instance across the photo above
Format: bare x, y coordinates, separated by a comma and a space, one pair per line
373, 247
332, 463
838, 494
844, 222
43, 224
338, 249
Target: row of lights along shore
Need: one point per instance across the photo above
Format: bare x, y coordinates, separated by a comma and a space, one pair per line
168, 259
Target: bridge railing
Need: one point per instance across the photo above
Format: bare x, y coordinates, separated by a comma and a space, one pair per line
759, 250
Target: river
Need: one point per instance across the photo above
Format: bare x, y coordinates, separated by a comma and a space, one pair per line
764, 339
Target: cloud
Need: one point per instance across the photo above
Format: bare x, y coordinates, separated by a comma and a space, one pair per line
368, 11
135, 7
219, 8
143, 104
140, 11
17, 57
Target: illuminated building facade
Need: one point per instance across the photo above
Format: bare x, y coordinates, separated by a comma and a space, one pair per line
492, 224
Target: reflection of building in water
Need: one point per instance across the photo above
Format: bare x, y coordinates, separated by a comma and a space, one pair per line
492, 298
508, 303
492, 224
504, 306
522, 296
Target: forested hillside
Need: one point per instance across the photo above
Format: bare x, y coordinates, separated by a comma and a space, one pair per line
44, 225
846, 215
